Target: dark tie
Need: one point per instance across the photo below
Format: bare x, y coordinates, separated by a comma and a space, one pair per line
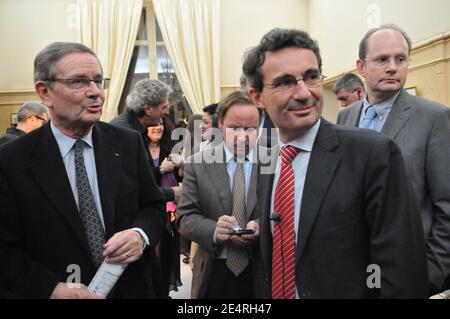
88, 212
283, 256
237, 259
368, 120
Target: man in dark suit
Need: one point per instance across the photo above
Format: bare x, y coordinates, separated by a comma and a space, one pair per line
337, 216
219, 195
420, 128
147, 104
78, 191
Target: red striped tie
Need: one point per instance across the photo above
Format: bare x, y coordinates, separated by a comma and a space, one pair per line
283, 257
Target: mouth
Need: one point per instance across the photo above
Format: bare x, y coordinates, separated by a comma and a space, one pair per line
389, 80
93, 108
300, 109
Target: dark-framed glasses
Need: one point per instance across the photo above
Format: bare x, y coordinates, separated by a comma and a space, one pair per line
83, 83
41, 118
383, 61
287, 82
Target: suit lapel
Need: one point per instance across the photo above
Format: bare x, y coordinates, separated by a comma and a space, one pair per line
219, 177
47, 166
398, 116
321, 169
108, 159
353, 117
252, 196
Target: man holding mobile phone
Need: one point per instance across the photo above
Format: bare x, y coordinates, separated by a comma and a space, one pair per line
217, 206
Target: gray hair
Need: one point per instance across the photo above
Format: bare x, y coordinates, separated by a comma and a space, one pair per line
146, 91
364, 41
30, 108
46, 60
349, 82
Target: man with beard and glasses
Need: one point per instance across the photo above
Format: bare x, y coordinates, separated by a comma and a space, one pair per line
337, 217
78, 192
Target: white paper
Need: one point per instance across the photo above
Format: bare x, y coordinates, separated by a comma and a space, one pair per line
106, 277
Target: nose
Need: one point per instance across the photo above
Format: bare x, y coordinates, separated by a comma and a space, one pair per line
301, 92
93, 91
391, 65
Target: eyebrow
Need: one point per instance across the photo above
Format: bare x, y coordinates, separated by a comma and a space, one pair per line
310, 70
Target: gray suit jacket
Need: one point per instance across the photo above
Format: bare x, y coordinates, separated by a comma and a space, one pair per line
207, 196
421, 129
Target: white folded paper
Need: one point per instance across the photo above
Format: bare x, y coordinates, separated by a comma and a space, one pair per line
106, 277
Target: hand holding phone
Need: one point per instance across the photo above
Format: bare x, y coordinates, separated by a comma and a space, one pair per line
240, 232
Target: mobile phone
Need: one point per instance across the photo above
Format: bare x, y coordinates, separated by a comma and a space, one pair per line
240, 232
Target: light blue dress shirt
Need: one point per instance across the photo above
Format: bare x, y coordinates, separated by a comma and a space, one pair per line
383, 109
65, 145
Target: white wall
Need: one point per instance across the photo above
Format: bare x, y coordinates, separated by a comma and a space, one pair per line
244, 22
340, 25
26, 27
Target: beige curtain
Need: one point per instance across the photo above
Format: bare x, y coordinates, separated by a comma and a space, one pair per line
191, 33
109, 27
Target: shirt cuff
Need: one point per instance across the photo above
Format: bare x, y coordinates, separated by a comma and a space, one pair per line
144, 236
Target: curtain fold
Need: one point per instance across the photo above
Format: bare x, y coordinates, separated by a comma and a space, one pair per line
191, 33
109, 28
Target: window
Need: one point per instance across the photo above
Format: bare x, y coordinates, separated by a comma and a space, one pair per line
151, 60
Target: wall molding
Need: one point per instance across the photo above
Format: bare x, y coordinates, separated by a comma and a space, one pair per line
16, 97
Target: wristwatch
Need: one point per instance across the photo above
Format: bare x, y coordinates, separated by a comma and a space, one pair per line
161, 170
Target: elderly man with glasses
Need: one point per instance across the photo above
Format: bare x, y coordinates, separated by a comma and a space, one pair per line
78, 192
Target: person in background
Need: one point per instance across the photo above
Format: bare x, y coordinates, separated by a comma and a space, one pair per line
349, 89
219, 196
421, 128
31, 115
208, 126
160, 146
191, 146
147, 103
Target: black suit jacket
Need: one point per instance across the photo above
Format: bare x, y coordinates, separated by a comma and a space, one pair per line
130, 120
11, 134
356, 210
41, 233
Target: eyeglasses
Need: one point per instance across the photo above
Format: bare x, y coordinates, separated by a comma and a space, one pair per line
83, 83
41, 118
383, 61
287, 83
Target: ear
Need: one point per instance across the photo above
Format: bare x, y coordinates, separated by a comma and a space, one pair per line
256, 98
44, 93
361, 66
148, 110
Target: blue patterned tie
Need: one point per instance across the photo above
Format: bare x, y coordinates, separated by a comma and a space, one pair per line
88, 212
368, 120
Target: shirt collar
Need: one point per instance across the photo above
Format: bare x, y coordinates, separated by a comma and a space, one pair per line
304, 142
65, 143
381, 108
229, 157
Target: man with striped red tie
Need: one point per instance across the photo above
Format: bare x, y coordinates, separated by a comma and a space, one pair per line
337, 217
